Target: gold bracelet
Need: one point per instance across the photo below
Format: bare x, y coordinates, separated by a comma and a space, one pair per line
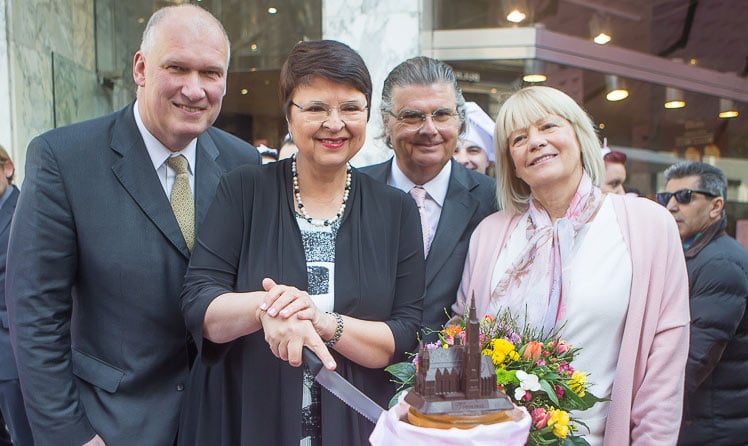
338, 330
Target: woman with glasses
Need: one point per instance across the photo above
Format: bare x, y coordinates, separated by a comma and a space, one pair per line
605, 269
302, 252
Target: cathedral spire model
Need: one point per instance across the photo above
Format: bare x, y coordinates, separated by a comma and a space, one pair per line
457, 380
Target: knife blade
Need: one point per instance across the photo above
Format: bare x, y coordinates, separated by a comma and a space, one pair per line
341, 388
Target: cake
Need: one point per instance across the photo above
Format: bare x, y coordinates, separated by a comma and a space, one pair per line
454, 401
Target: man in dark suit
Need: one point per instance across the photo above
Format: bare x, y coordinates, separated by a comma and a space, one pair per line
102, 237
11, 400
424, 113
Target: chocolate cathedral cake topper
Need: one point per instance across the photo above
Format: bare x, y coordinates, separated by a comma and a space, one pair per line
458, 380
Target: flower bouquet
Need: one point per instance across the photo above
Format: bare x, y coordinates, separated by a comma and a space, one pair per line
532, 367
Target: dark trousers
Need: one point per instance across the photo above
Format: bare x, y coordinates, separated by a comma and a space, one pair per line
14, 413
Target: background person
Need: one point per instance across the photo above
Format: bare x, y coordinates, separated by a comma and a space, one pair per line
338, 252
98, 253
475, 148
12, 410
615, 172
609, 268
287, 148
718, 286
423, 113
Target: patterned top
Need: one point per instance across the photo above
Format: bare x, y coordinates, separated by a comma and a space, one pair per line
319, 249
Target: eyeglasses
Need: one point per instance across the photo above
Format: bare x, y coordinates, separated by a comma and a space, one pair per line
682, 196
318, 112
415, 118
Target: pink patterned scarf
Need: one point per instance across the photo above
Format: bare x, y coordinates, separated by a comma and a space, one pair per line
532, 288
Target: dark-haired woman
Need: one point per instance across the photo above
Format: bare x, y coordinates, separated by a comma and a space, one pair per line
305, 251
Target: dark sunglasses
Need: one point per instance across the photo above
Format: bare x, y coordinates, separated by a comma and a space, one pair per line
682, 196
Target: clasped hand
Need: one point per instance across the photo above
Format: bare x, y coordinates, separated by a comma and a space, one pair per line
290, 321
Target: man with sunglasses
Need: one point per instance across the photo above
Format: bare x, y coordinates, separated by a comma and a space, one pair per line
423, 112
714, 410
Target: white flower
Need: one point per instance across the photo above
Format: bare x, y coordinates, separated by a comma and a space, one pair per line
527, 382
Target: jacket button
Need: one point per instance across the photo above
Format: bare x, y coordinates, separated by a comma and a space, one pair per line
180, 387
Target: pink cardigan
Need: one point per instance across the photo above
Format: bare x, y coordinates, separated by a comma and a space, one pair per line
647, 396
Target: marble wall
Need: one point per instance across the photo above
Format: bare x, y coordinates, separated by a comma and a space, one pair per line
52, 77
5, 127
385, 33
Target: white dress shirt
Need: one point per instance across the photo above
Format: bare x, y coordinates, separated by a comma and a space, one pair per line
159, 154
436, 192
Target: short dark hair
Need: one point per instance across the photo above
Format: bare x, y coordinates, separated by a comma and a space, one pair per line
615, 157
422, 70
711, 179
323, 59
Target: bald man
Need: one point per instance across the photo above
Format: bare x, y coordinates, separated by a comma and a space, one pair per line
101, 240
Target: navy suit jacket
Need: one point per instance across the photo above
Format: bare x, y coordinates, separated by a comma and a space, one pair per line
7, 361
471, 196
96, 265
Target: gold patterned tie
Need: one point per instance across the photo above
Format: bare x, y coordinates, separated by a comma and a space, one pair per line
181, 199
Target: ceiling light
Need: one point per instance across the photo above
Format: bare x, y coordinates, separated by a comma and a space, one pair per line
516, 16
515, 11
674, 98
600, 29
244, 91
272, 10
727, 109
534, 71
615, 88
602, 38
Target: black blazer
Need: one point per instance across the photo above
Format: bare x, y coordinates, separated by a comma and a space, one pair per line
96, 264
471, 196
239, 393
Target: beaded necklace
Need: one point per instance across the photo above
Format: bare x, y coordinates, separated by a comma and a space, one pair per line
302, 209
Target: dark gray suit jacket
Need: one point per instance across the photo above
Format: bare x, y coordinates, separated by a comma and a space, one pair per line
470, 197
7, 361
96, 264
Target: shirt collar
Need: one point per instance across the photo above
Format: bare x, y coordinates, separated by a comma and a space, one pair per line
157, 151
436, 188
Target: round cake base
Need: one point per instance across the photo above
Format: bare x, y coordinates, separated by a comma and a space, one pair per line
419, 419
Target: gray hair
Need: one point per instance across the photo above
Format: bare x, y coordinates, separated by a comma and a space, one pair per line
203, 18
422, 70
711, 179
523, 108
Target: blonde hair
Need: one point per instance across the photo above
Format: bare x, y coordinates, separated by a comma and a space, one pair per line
523, 108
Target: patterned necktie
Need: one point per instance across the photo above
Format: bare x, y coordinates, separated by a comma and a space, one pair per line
419, 194
181, 199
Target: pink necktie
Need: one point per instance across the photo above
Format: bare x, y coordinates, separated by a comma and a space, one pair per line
419, 194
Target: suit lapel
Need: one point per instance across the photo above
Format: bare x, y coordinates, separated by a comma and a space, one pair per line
6, 211
381, 171
207, 175
459, 207
134, 170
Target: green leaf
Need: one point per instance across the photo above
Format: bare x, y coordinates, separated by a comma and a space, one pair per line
573, 440
402, 371
393, 400
548, 389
